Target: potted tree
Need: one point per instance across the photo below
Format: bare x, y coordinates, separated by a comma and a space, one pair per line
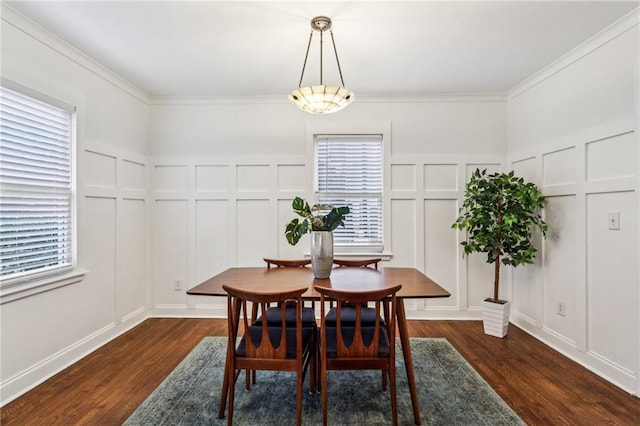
500, 212
320, 220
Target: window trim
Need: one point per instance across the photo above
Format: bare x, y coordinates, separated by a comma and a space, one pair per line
39, 281
26, 288
323, 196
355, 127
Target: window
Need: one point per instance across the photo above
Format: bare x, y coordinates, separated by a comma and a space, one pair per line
348, 171
35, 188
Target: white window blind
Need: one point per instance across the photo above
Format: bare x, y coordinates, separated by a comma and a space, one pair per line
349, 172
36, 187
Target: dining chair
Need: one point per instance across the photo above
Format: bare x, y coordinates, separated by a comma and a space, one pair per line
279, 347
358, 262
273, 313
356, 345
367, 314
308, 314
286, 263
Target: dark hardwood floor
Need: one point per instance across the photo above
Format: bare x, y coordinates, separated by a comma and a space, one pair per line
104, 388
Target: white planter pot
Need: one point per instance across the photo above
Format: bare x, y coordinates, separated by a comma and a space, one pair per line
321, 253
495, 317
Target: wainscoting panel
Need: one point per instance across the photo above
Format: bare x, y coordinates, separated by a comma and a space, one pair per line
99, 257
582, 295
559, 167
480, 279
170, 178
612, 286
130, 271
212, 238
560, 267
291, 177
526, 293
133, 176
404, 234
211, 215
403, 177
440, 177
527, 168
113, 213
612, 157
171, 249
252, 230
252, 178
212, 178
441, 248
100, 170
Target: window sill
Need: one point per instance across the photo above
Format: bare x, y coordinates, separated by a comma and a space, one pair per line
359, 255
22, 290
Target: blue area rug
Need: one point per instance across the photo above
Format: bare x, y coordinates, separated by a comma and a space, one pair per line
449, 390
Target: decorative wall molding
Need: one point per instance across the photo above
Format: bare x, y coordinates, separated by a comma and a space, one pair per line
604, 177
12, 17
200, 193
616, 29
362, 98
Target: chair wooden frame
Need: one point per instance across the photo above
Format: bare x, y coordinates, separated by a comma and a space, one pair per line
287, 263
358, 262
266, 355
358, 356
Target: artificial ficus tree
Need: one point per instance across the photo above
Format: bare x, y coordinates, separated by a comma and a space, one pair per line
500, 212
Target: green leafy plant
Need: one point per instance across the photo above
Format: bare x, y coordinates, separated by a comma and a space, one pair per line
313, 220
499, 213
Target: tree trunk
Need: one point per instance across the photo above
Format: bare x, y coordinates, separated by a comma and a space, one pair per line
496, 279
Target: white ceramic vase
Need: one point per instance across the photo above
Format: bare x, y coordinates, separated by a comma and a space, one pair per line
495, 318
321, 253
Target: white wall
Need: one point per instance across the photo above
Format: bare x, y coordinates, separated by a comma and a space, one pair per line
44, 333
574, 130
227, 172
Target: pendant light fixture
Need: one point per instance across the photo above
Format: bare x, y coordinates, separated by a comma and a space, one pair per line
322, 98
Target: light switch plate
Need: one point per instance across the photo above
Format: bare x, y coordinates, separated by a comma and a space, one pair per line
614, 221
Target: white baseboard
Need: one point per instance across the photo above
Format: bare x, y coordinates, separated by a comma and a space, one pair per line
16, 386
612, 373
28, 379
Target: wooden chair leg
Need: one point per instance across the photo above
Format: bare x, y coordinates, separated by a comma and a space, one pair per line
225, 386
299, 383
394, 402
232, 387
313, 363
325, 398
384, 380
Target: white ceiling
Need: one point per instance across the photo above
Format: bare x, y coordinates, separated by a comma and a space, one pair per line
239, 48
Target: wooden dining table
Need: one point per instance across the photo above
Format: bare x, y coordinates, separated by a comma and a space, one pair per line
415, 285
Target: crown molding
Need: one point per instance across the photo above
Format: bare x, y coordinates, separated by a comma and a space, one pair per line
10, 16
624, 24
379, 99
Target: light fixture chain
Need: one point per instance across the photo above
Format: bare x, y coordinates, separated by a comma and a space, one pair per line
305, 60
337, 60
321, 83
